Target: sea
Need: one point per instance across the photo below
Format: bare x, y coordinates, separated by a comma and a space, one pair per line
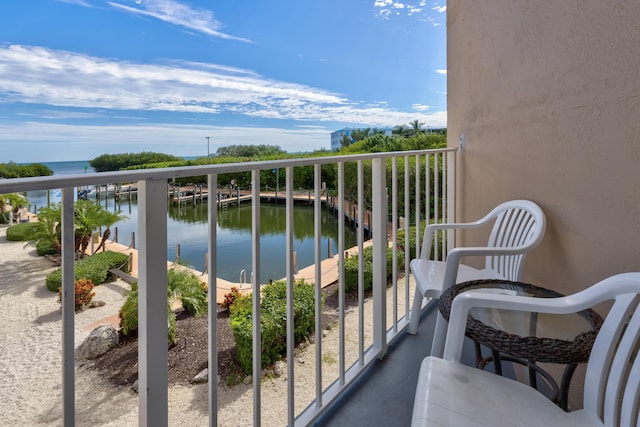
187, 228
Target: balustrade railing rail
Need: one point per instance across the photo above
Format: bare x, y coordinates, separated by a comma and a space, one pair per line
382, 190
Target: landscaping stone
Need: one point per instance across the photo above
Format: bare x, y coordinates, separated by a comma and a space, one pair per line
100, 340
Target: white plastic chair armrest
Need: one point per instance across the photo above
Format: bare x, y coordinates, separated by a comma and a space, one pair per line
427, 237
455, 257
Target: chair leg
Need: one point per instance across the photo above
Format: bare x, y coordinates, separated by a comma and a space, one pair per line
414, 319
439, 336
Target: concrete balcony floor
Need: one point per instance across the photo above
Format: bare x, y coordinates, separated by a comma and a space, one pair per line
384, 395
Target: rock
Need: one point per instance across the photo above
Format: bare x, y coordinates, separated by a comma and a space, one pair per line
100, 340
95, 304
301, 361
248, 380
279, 368
202, 377
134, 386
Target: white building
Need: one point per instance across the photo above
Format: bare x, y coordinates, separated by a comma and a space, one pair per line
338, 136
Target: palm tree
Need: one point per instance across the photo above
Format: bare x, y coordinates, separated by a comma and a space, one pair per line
107, 219
88, 217
415, 126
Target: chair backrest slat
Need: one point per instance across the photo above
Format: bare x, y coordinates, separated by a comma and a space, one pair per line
614, 354
513, 226
630, 413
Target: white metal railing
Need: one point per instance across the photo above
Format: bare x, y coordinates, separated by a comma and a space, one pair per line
376, 193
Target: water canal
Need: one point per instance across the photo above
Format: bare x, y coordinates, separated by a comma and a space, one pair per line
187, 227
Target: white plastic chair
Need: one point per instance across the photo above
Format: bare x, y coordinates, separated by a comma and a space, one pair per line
451, 394
518, 227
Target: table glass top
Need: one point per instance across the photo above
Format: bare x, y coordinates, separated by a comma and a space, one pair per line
542, 325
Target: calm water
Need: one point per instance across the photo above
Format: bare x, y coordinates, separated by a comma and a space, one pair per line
187, 226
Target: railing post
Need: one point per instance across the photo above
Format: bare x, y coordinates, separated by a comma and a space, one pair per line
451, 196
68, 308
290, 264
341, 283
255, 297
212, 268
379, 229
152, 304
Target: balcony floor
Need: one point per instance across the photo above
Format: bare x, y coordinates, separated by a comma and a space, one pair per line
384, 395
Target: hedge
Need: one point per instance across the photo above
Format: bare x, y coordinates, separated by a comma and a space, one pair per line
95, 268
273, 322
21, 232
351, 268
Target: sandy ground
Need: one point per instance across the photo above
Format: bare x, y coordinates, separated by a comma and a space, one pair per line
30, 361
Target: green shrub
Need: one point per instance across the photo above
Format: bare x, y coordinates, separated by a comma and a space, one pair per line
181, 284
273, 322
128, 315
189, 289
412, 238
21, 232
351, 268
95, 268
45, 247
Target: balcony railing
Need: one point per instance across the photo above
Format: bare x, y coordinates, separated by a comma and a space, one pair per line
387, 195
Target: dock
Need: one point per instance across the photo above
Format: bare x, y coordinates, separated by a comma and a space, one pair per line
328, 267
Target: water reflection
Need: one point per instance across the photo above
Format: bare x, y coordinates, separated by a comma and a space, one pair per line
187, 227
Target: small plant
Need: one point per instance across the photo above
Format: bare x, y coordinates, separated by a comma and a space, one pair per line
186, 287
182, 285
273, 322
329, 358
83, 294
45, 247
230, 298
351, 268
128, 313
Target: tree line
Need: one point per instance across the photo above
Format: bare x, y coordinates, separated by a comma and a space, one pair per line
14, 170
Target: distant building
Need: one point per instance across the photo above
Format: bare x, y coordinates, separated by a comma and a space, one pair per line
338, 136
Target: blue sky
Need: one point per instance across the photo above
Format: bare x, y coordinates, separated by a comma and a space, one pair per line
80, 78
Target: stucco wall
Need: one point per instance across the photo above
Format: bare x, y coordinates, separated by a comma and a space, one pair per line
547, 96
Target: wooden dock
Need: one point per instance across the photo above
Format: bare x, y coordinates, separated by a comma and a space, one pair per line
328, 268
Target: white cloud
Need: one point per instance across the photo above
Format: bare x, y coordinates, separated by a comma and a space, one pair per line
176, 13
420, 107
390, 8
441, 71
37, 75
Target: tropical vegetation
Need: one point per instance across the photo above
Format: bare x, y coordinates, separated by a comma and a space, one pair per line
14, 170
183, 286
95, 268
273, 318
88, 218
115, 162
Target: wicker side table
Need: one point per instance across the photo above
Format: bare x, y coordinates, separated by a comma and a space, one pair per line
527, 338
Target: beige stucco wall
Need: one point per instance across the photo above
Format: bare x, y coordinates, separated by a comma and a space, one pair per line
547, 96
